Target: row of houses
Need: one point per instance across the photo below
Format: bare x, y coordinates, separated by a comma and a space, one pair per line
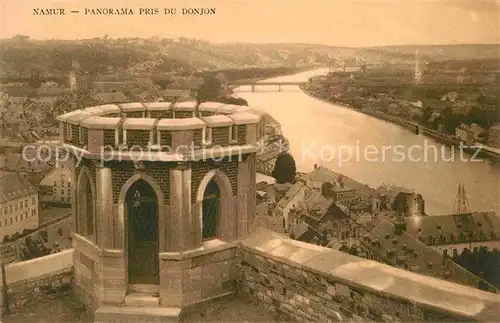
387, 224
325, 186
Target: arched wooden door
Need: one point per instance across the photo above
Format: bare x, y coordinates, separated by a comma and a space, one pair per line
142, 222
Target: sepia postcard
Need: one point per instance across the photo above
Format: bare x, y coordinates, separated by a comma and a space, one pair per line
249, 161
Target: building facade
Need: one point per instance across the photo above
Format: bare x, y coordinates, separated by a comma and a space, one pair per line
494, 136
57, 187
158, 221
18, 205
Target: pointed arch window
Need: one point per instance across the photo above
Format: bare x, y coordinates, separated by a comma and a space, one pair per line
210, 211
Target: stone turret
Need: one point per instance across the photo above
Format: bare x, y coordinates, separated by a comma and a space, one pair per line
164, 191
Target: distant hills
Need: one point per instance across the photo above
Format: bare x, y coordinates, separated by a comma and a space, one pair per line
445, 52
22, 57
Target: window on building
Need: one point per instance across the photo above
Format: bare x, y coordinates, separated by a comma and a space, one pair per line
119, 135
25, 203
11, 208
33, 201
207, 136
445, 252
123, 138
210, 211
80, 136
233, 134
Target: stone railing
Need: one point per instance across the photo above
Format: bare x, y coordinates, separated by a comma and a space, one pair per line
30, 280
315, 284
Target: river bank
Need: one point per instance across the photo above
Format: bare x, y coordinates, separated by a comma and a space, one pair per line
257, 73
475, 151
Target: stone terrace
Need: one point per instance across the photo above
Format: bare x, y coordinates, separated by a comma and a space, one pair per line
300, 281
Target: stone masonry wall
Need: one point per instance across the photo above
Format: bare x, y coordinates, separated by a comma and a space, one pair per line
316, 284
198, 277
30, 291
199, 169
109, 137
31, 280
123, 170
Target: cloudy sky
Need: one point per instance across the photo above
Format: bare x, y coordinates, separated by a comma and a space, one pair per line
332, 22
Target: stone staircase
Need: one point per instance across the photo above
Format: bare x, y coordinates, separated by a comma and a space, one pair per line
138, 307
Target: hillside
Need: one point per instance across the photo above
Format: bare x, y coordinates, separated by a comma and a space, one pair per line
445, 52
22, 57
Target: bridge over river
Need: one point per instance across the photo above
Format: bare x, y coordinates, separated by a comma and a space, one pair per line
254, 84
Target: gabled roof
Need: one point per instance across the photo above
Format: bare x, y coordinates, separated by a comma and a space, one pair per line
109, 97
310, 236
448, 229
13, 186
290, 194
317, 205
322, 174
405, 251
392, 191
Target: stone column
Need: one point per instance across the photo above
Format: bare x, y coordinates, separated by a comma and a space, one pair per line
188, 229
243, 191
251, 134
175, 234
196, 211
104, 208
74, 192
252, 194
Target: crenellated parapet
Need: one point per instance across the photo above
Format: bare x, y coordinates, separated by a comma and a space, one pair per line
177, 130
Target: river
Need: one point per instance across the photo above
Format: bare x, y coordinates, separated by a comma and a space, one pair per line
373, 151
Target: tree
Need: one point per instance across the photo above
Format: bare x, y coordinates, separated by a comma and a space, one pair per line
426, 115
212, 88
451, 120
284, 169
33, 249
209, 90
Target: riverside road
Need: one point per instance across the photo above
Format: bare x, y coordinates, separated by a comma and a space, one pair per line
373, 151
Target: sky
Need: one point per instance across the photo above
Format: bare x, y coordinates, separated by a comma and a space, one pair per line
351, 23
